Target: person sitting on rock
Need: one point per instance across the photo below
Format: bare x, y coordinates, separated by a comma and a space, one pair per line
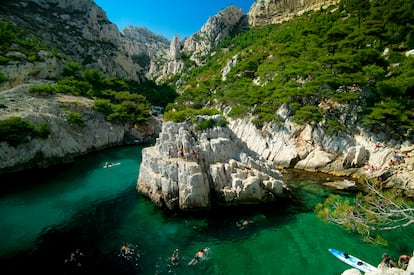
403, 261
387, 261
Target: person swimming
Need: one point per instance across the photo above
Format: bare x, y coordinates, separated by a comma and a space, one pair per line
198, 256
125, 249
175, 257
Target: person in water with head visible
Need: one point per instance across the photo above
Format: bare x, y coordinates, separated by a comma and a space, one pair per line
198, 256
175, 258
125, 250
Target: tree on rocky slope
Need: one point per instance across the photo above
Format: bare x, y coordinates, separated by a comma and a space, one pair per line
369, 214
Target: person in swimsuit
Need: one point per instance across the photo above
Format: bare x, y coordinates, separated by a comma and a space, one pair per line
198, 256
387, 261
403, 261
174, 258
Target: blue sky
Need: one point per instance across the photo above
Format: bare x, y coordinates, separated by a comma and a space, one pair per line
166, 17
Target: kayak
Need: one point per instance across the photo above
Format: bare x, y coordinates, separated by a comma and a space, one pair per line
352, 260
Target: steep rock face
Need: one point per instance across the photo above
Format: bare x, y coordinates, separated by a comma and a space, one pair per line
149, 50
66, 141
191, 170
47, 66
227, 22
217, 28
311, 148
79, 29
265, 12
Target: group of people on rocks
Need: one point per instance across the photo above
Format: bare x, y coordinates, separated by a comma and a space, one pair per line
187, 153
396, 159
402, 262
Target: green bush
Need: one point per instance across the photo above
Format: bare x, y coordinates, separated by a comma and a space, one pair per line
43, 130
3, 77
43, 89
15, 131
75, 118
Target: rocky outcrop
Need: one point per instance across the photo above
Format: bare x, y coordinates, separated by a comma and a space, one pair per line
218, 27
149, 50
47, 66
79, 29
384, 270
350, 155
198, 46
66, 141
265, 12
193, 170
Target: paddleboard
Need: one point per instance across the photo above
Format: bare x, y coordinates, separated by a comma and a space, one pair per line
352, 260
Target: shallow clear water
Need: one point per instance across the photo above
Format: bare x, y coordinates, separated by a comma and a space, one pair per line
96, 209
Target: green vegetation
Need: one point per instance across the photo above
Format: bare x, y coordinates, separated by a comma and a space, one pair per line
17, 39
75, 118
369, 214
120, 100
3, 77
43, 89
15, 131
334, 55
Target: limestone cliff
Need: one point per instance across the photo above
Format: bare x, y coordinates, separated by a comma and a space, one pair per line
265, 12
147, 49
79, 29
311, 148
237, 164
199, 45
192, 170
65, 141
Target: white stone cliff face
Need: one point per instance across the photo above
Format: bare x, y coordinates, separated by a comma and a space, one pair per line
66, 141
200, 44
310, 148
79, 29
265, 12
191, 170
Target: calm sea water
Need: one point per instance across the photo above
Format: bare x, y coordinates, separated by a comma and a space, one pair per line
95, 209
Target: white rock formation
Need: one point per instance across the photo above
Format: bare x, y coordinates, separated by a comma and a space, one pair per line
65, 141
265, 12
311, 148
191, 170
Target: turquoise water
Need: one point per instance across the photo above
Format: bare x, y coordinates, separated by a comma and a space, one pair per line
96, 209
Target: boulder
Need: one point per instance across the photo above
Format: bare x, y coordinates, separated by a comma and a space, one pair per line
192, 170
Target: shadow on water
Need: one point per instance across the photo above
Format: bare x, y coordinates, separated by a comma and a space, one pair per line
85, 231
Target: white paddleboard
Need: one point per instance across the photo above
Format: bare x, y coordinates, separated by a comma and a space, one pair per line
352, 260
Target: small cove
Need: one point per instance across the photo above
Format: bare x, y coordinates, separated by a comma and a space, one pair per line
84, 205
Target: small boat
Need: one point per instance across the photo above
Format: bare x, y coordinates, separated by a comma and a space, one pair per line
110, 164
352, 260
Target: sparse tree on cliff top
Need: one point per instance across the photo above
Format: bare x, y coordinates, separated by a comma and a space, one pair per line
368, 214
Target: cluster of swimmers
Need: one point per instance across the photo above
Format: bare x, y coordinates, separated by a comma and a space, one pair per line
175, 259
75, 258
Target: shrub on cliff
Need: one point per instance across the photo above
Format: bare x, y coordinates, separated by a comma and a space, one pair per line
15, 131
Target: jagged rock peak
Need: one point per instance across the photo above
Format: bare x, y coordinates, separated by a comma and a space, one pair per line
142, 34
264, 12
217, 28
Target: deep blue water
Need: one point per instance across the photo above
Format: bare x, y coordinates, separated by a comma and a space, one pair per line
95, 209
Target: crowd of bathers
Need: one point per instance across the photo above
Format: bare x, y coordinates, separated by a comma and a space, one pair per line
388, 262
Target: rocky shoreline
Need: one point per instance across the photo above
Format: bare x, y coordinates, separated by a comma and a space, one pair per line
190, 170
